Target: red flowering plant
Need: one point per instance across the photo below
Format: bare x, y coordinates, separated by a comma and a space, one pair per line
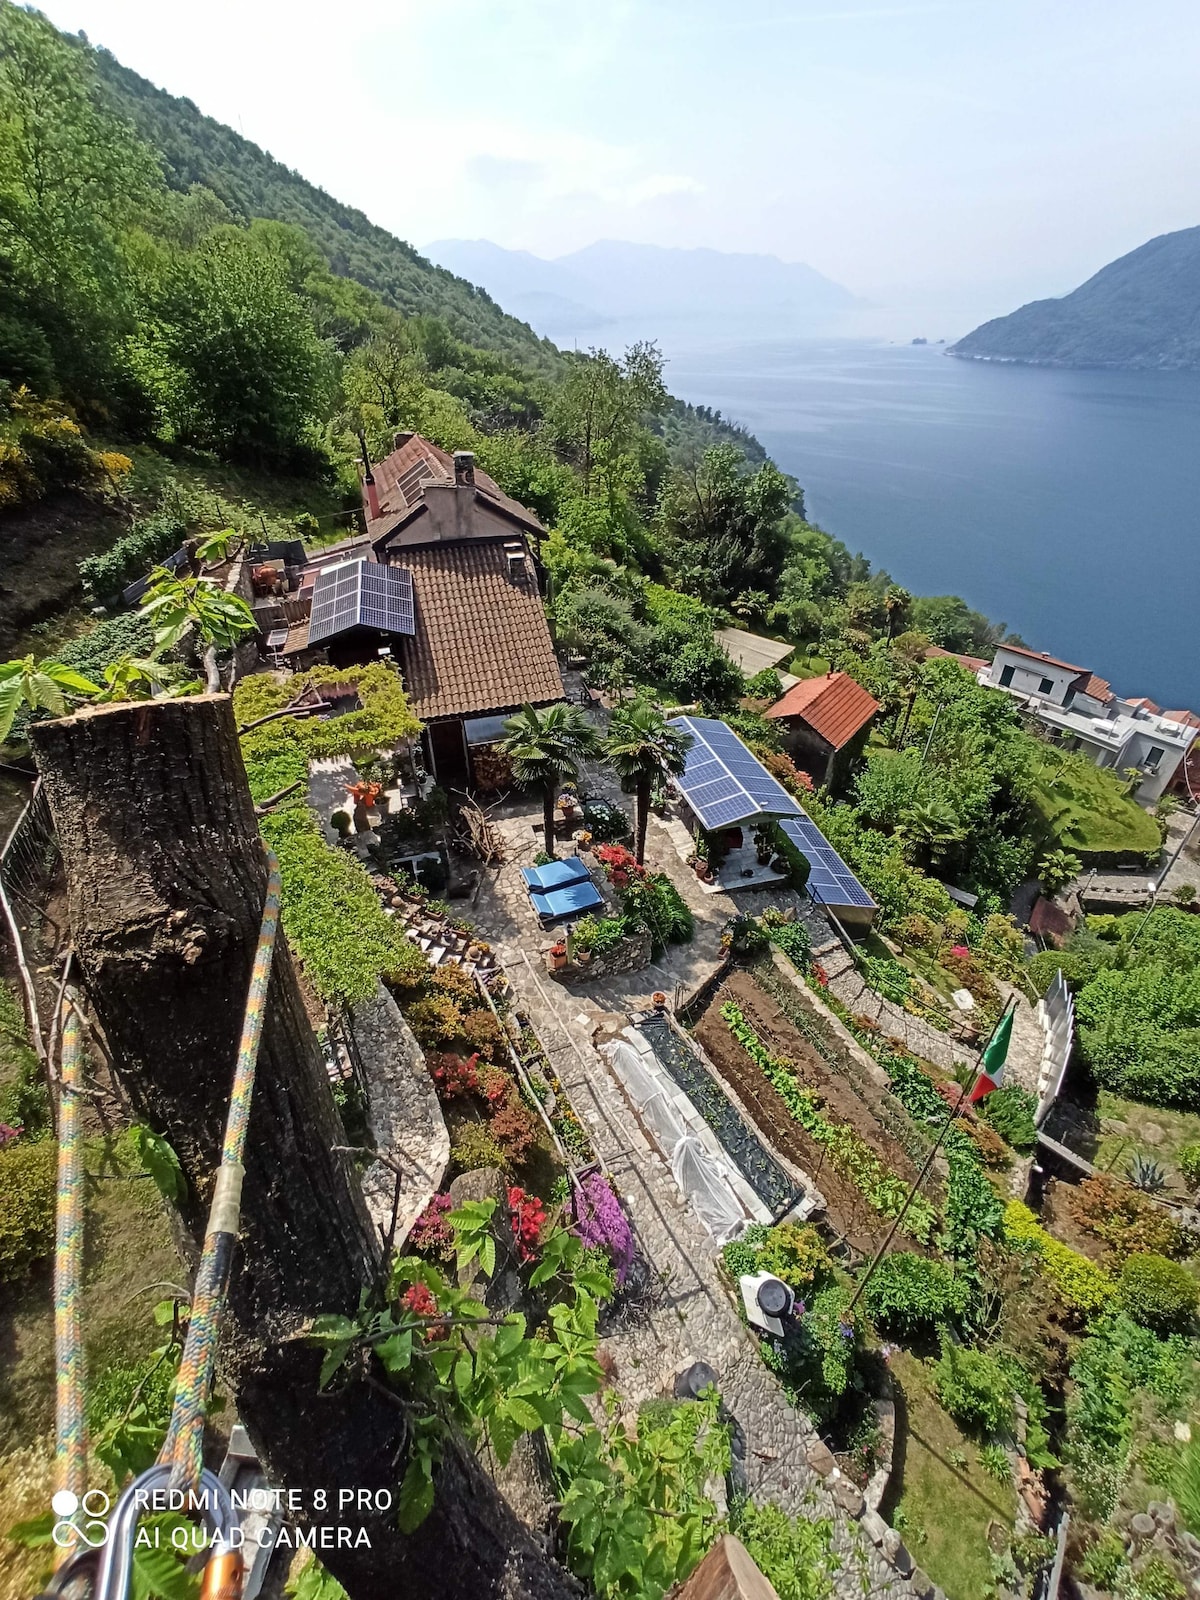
418, 1300
456, 1076
528, 1217
820, 975
621, 866
494, 1083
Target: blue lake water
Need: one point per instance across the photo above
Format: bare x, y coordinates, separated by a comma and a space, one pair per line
1066, 504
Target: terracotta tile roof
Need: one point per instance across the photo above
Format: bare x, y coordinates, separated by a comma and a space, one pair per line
971, 663
1146, 705
482, 643
1185, 719
400, 479
1097, 688
834, 706
1040, 655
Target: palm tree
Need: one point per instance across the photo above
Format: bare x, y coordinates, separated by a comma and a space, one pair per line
547, 746
932, 823
896, 602
40, 685
644, 749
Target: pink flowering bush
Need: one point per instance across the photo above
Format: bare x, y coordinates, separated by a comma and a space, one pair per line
601, 1224
431, 1232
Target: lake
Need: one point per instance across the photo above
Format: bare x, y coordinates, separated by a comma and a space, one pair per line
1065, 504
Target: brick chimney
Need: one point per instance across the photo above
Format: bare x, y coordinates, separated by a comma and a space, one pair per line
370, 493
464, 469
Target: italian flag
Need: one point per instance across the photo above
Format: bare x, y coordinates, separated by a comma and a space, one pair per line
991, 1066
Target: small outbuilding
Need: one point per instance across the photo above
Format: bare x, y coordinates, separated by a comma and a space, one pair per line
825, 723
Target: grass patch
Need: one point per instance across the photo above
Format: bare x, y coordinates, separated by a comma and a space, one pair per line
1127, 1128
945, 1499
802, 666
128, 1247
1082, 808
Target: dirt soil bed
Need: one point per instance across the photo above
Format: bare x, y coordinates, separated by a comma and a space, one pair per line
849, 1213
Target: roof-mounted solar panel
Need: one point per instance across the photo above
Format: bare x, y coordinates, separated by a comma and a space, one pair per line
723, 783
361, 594
830, 880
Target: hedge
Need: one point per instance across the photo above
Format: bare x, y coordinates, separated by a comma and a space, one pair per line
1083, 1285
28, 1177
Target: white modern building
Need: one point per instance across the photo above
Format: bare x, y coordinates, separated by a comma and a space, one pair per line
1084, 713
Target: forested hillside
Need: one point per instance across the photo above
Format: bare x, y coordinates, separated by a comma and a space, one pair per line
1142, 310
195, 149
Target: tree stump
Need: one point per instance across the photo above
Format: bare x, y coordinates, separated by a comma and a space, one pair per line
166, 876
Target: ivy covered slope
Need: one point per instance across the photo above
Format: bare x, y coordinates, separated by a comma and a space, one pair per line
331, 912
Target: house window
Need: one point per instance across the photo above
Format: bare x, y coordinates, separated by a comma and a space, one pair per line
1155, 755
1006, 676
1045, 686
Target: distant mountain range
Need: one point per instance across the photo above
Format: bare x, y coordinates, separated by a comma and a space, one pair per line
613, 280
1142, 310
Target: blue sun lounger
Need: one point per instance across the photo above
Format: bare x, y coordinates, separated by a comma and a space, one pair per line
560, 905
555, 875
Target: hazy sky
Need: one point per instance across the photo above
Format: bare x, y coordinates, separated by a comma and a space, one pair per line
973, 149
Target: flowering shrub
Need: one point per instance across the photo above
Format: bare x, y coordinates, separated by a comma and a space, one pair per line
528, 1217
494, 1083
820, 976
621, 866
435, 1020
7, 1134
514, 1128
455, 1076
431, 1232
1126, 1221
785, 770
601, 1223
483, 1033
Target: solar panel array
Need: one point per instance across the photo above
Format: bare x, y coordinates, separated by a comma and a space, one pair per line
830, 880
361, 594
723, 783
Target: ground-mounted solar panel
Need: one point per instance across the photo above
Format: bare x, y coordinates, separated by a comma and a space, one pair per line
361, 594
723, 783
830, 880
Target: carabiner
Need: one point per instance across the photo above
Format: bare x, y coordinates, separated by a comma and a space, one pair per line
223, 1567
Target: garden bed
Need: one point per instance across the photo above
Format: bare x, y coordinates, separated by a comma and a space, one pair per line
777, 1190
849, 1213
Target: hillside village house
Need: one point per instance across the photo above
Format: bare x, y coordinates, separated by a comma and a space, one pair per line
825, 722
1085, 714
444, 582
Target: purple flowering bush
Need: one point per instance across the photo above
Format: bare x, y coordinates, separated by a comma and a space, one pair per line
601, 1224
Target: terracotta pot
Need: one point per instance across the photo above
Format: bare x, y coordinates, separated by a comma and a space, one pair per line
558, 957
658, 1000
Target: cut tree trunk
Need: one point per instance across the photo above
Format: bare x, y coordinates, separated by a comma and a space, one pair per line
166, 876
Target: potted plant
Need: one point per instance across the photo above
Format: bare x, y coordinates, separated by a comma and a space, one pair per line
583, 839
363, 795
763, 844
558, 955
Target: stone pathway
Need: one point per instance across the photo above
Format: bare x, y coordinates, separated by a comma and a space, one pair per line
921, 1037
691, 1317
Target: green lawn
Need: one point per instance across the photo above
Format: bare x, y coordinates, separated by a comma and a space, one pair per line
1082, 808
1128, 1127
946, 1500
802, 666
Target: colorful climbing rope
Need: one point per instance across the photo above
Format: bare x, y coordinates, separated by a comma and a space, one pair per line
70, 1467
183, 1449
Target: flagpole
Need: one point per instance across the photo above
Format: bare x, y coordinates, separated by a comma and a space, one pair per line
964, 1093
